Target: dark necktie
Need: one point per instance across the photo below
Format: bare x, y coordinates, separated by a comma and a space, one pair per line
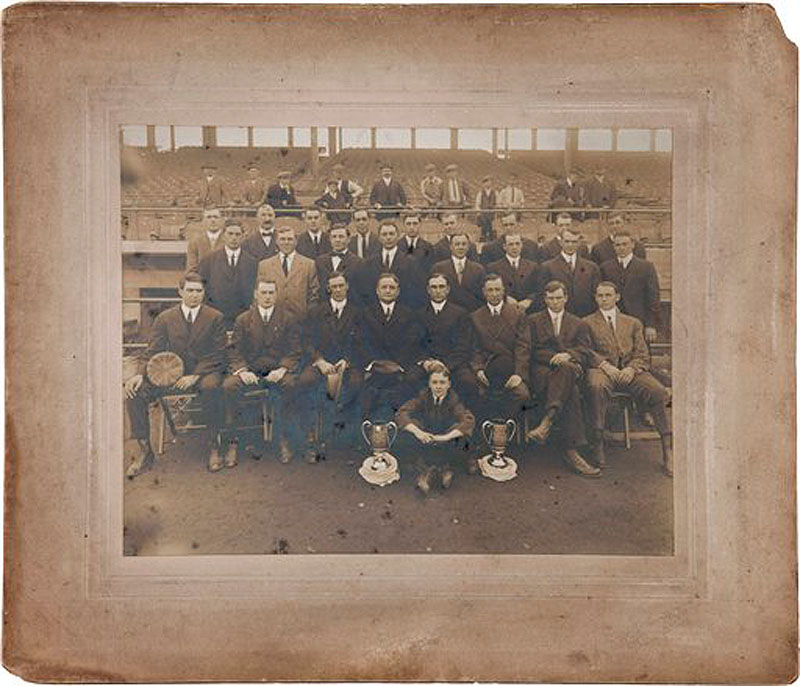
388, 314
233, 261
265, 318
285, 265
611, 323
386, 260
190, 319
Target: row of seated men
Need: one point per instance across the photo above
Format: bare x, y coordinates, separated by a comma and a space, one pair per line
502, 363
229, 262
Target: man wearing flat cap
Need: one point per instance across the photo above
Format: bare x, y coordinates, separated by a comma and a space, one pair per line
212, 192
281, 196
387, 193
431, 189
254, 190
486, 200
455, 191
347, 188
335, 204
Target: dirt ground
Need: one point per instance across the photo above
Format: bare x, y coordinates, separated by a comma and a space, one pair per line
265, 507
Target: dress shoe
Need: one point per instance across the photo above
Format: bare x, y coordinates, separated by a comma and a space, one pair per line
214, 460
142, 462
581, 466
424, 481
447, 478
285, 456
232, 456
541, 432
666, 456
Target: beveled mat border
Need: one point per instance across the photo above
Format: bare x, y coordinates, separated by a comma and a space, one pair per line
109, 574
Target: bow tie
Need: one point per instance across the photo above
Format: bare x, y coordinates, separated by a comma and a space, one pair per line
338, 254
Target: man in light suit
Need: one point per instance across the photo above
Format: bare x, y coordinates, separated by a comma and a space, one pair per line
196, 333
294, 275
363, 243
387, 193
261, 243
619, 361
464, 275
511, 197
559, 350
204, 238
313, 242
281, 196
212, 192
455, 191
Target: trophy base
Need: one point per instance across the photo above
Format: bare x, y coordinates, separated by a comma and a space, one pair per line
380, 469
494, 469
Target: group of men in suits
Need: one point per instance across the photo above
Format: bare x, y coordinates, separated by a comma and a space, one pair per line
597, 192
380, 312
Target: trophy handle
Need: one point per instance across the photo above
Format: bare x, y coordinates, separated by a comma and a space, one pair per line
389, 427
364, 426
513, 428
483, 431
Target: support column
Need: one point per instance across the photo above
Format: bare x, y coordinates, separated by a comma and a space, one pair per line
249, 136
652, 140
333, 148
172, 145
210, 136
505, 143
534, 139
413, 138
314, 160
494, 141
373, 137
151, 136
121, 136
570, 148
453, 139
290, 136
614, 139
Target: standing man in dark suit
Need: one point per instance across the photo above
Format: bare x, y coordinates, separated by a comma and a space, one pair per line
335, 204
334, 377
568, 193
520, 276
212, 192
450, 224
254, 189
637, 282
313, 242
196, 333
579, 274
413, 245
485, 200
602, 251
391, 348
559, 355
261, 243
619, 361
387, 193
599, 192
339, 259
229, 274
495, 250
265, 353
363, 243
204, 238
553, 248
347, 188
281, 196
465, 276
500, 353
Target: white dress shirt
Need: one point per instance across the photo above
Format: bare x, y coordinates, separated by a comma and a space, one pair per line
266, 313
625, 261
193, 311
569, 258
438, 307
337, 306
556, 319
232, 253
496, 310
390, 253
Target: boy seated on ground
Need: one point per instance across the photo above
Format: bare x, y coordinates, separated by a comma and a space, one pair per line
441, 425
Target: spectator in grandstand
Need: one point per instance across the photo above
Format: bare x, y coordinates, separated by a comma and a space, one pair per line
265, 353
313, 242
261, 243
196, 333
464, 275
568, 193
637, 282
254, 189
441, 425
599, 192
391, 348
363, 243
455, 191
334, 203
560, 344
618, 361
451, 225
294, 274
485, 200
413, 245
229, 274
333, 379
339, 259
281, 196
511, 196
212, 192
431, 189
387, 195
446, 337
500, 353
204, 238
348, 188
603, 251
495, 250
578, 274
391, 259
553, 248
520, 276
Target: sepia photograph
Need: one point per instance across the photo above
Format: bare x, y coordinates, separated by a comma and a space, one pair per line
397, 339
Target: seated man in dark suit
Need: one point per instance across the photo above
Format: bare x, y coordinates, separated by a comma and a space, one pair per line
413, 245
637, 282
520, 276
196, 333
578, 274
261, 243
281, 196
265, 353
339, 259
387, 195
451, 225
602, 251
446, 338
440, 423
335, 204
500, 353
313, 242
391, 348
553, 247
229, 274
495, 250
559, 354
333, 379
568, 193
465, 275
619, 361
363, 243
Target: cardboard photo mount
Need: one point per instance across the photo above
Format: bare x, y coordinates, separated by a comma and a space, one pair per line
722, 608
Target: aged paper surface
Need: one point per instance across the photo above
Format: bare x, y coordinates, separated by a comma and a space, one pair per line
722, 607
